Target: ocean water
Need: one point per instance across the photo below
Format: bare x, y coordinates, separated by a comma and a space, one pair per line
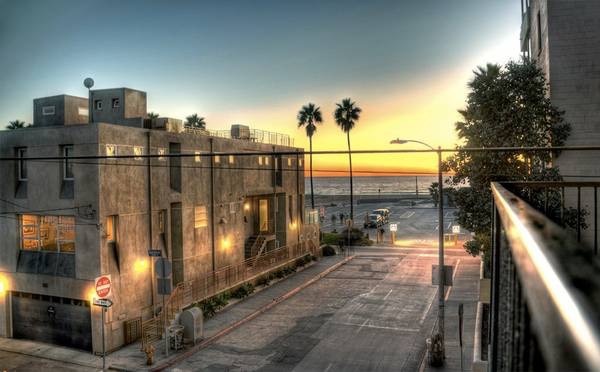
365, 185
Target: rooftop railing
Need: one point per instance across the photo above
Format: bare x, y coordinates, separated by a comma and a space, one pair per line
252, 135
545, 292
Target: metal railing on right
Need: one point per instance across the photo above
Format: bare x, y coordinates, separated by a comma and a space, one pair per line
545, 293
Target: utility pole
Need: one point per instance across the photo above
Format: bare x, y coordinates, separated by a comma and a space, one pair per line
441, 253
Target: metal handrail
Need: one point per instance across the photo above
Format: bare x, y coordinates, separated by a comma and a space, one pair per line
549, 263
255, 135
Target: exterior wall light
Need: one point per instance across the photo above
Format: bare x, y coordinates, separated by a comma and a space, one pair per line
140, 265
225, 243
247, 206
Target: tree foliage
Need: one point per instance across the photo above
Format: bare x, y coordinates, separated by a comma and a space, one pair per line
17, 124
308, 116
506, 107
346, 115
195, 121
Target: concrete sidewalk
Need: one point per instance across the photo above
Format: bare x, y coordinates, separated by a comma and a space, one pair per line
466, 291
131, 358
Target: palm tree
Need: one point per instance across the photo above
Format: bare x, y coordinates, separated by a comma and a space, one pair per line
308, 116
346, 115
153, 115
195, 121
16, 124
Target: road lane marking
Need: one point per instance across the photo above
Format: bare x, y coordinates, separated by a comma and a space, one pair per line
407, 214
364, 325
386, 296
328, 367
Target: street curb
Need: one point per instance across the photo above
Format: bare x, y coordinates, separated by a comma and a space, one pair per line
256, 313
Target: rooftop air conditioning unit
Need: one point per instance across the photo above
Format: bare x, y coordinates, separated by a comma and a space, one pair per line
168, 124
240, 131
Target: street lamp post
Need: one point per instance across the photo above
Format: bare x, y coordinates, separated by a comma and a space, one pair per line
440, 240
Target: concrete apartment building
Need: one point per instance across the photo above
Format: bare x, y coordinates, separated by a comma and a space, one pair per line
563, 37
65, 222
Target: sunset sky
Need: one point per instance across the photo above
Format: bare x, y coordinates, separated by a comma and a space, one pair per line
405, 63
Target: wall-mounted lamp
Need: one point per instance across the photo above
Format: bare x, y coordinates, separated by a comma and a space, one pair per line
246, 206
222, 221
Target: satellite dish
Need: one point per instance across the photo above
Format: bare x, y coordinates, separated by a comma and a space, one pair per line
88, 82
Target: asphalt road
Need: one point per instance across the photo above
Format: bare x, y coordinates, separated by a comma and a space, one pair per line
372, 314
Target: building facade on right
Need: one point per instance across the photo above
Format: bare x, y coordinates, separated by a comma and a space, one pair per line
563, 37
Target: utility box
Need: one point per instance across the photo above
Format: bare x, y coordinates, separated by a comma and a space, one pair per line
192, 321
448, 274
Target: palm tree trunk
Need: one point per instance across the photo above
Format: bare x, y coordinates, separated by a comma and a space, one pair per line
312, 191
351, 189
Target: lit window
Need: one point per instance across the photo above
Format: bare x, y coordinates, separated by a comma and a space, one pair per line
111, 150
266, 160
217, 159
83, 111
22, 164
231, 159
111, 229
197, 157
98, 104
289, 162
48, 110
300, 162
161, 153
115, 103
138, 151
260, 160
67, 151
200, 217
47, 233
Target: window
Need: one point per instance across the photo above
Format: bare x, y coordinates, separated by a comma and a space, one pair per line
138, 151
231, 159
111, 150
266, 160
217, 159
289, 162
47, 233
67, 151
300, 162
200, 217
48, 110
161, 153
232, 207
98, 104
260, 160
197, 157
83, 111
111, 229
115, 103
22, 164
263, 215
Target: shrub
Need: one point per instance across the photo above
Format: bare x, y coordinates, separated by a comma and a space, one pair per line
328, 251
243, 291
264, 280
330, 238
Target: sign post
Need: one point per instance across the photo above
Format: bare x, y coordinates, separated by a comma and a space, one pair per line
393, 229
103, 286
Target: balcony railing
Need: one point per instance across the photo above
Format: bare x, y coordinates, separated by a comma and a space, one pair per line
253, 135
545, 292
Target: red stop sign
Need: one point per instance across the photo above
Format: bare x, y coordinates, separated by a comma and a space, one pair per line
103, 286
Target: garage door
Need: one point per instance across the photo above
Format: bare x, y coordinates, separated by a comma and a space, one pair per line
56, 320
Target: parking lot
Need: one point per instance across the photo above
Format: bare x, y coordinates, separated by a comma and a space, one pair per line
416, 224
